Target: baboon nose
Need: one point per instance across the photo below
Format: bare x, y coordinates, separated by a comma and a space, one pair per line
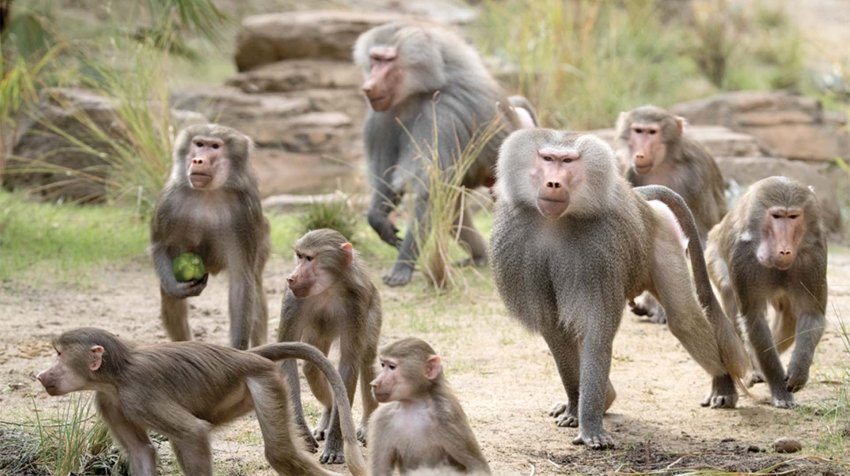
553, 184
198, 161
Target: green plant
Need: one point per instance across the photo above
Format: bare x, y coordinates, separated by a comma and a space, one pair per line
582, 62
447, 201
75, 440
336, 214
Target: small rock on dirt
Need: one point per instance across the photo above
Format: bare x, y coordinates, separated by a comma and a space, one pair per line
787, 445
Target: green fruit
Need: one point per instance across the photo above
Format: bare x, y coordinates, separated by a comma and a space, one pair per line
188, 267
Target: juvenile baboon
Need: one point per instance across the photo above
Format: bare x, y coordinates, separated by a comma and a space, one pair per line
419, 77
185, 389
210, 206
771, 249
572, 242
331, 298
655, 150
421, 424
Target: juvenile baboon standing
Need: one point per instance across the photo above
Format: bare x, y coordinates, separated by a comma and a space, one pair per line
657, 151
771, 250
184, 390
572, 242
331, 298
210, 206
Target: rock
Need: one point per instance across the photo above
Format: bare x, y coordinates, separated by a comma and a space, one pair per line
280, 172
824, 177
784, 124
81, 115
787, 445
327, 34
296, 75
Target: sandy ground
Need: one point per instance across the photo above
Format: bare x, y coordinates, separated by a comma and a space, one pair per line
503, 375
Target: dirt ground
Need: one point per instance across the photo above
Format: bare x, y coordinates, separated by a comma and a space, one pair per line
503, 375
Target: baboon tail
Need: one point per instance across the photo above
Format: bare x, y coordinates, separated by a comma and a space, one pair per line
300, 350
732, 351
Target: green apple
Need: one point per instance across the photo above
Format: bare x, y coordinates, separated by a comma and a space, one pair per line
188, 267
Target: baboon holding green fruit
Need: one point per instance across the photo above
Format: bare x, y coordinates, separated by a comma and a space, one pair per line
210, 206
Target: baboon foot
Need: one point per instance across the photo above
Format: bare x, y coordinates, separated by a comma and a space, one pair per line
598, 440
723, 393
564, 415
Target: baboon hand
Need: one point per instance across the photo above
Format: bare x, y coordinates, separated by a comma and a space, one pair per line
385, 228
188, 289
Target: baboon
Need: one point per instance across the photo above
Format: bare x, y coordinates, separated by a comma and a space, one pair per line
655, 150
420, 77
572, 242
331, 298
421, 424
210, 206
185, 389
771, 249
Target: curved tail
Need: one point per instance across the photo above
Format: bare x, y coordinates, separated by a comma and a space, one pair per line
300, 350
732, 350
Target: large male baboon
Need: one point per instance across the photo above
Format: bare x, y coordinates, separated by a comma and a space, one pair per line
572, 243
430, 96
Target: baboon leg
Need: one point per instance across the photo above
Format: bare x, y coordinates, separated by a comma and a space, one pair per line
260, 329
471, 240
367, 375
760, 336
175, 317
809, 330
564, 348
319, 384
272, 407
784, 324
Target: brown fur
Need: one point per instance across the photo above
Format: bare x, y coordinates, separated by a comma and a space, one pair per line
222, 222
185, 389
331, 298
421, 426
795, 289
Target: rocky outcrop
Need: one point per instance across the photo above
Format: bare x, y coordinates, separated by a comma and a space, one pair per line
784, 124
325, 34
63, 148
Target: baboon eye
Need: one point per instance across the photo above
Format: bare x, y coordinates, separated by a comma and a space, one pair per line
776, 215
651, 132
199, 144
793, 216
391, 366
308, 257
546, 158
638, 130
568, 160
215, 146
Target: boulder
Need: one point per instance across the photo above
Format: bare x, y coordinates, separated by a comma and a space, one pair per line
70, 134
297, 75
293, 123
280, 172
325, 34
784, 124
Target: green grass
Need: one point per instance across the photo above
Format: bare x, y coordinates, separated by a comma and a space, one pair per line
67, 243
582, 62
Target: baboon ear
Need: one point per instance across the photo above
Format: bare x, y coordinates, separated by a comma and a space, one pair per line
433, 367
681, 122
349, 252
95, 357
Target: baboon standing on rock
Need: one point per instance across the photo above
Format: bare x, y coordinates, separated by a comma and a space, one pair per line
210, 206
572, 242
771, 250
419, 77
658, 152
